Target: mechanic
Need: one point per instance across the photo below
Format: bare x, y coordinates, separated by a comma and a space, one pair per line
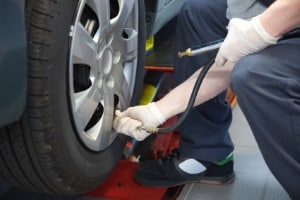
263, 69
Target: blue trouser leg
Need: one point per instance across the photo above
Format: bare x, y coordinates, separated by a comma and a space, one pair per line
267, 85
204, 133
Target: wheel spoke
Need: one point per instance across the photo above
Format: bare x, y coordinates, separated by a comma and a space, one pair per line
84, 47
85, 105
126, 9
128, 46
102, 8
121, 86
104, 135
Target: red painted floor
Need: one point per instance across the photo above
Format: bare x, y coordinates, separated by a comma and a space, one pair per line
121, 185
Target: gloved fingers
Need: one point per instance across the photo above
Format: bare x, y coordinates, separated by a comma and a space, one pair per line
140, 135
117, 120
118, 113
121, 124
148, 114
129, 127
244, 37
220, 60
130, 111
224, 54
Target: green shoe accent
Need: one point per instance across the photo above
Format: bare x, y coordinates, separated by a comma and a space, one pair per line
226, 160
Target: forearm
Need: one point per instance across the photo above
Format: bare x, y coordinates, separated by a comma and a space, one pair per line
281, 17
216, 80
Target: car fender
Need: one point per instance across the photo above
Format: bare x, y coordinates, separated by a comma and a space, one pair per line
13, 66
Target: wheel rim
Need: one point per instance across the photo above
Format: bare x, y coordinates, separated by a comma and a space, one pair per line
103, 63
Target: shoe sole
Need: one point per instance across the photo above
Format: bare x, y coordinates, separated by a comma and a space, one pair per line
219, 181
208, 180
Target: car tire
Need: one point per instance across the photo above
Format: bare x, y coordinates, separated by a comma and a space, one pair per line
47, 151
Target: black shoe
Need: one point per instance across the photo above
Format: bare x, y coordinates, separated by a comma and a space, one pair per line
165, 172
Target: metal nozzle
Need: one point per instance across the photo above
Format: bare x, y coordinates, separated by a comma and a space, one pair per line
187, 52
151, 130
202, 49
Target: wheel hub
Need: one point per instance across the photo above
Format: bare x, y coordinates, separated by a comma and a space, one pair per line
106, 61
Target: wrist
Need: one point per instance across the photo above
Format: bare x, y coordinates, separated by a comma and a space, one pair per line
157, 113
261, 31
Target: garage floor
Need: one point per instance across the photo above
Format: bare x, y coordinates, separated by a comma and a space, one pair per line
253, 178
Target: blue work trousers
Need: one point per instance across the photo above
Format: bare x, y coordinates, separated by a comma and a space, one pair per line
204, 133
267, 85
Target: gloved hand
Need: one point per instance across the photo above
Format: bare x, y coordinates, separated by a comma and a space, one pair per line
127, 122
243, 38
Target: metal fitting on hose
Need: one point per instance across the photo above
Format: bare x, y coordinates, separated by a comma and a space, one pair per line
204, 48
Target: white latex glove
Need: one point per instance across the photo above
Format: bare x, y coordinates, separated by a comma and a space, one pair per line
243, 38
127, 122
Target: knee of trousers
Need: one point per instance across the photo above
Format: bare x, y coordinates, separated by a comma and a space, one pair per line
195, 9
244, 75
